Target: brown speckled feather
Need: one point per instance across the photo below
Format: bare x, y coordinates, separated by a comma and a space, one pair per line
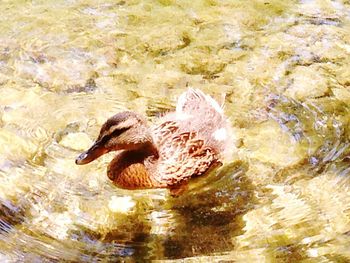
183, 156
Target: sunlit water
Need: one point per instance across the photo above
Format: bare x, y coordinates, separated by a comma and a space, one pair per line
65, 66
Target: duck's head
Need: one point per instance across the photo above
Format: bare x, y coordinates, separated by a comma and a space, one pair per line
124, 131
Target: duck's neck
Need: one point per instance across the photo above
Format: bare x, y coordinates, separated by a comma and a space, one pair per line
134, 169
150, 149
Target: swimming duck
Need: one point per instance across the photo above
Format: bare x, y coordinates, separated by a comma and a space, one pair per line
184, 144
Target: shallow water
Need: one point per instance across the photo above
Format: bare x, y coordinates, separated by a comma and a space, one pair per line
66, 66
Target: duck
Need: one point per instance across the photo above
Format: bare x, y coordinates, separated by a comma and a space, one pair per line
183, 144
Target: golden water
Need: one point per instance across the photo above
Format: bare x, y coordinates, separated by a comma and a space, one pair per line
65, 66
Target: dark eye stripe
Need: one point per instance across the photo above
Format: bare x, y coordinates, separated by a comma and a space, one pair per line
115, 133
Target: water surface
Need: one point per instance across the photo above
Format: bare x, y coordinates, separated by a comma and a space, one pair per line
283, 196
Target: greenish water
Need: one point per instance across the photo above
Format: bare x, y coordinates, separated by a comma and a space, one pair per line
66, 66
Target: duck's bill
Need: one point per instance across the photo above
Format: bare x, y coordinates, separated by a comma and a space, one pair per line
93, 153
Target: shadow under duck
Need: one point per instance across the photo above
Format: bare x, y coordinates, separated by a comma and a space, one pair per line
184, 144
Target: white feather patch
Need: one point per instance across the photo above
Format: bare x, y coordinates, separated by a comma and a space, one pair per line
180, 103
181, 116
199, 96
214, 104
220, 134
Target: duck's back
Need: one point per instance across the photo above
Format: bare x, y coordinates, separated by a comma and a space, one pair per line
192, 139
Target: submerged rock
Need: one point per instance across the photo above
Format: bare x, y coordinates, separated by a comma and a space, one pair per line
78, 141
267, 142
307, 82
14, 147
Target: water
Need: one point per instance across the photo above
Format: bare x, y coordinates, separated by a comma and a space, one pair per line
66, 66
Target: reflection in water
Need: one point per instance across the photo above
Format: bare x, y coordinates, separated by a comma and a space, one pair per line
209, 217
66, 66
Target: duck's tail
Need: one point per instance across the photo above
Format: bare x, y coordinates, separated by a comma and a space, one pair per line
194, 101
204, 114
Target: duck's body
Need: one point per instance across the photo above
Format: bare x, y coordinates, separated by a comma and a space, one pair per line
184, 144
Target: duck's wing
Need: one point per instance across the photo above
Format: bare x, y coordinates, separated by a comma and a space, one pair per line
164, 132
184, 156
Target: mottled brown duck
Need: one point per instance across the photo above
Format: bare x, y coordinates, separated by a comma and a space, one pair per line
183, 144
